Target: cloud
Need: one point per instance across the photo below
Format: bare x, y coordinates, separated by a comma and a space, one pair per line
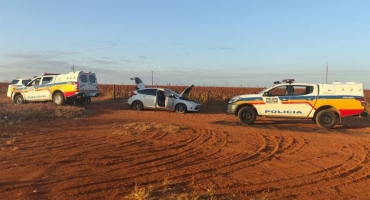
104, 62
41, 55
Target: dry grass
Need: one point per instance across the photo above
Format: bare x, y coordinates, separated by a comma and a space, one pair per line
140, 193
8, 140
12, 114
171, 191
135, 128
11, 141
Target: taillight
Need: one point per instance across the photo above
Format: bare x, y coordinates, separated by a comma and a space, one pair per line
362, 100
76, 85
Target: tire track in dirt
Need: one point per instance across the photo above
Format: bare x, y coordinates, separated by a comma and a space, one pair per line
352, 169
109, 157
270, 146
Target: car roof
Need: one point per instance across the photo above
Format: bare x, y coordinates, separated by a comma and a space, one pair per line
152, 89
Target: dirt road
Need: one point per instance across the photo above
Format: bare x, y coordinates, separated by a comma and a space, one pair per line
206, 155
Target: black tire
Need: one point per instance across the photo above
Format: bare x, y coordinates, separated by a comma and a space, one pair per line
326, 119
19, 99
137, 105
80, 102
314, 120
181, 108
247, 115
58, 98
88, 100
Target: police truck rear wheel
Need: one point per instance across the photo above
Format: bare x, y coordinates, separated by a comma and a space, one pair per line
247, 115
18, 99
326, 119
58, 98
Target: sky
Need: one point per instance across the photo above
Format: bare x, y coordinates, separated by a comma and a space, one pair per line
248, 43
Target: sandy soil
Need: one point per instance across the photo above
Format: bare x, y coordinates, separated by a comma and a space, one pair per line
205, 155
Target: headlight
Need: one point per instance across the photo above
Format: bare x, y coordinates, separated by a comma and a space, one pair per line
234, 99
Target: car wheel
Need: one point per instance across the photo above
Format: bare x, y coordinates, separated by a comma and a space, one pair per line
58, 98
181, 108
137, 105
247, 115
326, 119
19, 99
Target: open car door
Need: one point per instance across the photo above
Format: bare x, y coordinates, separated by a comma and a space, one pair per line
139, 83
170, 100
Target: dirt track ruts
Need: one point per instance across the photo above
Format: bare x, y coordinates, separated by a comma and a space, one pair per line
105, 154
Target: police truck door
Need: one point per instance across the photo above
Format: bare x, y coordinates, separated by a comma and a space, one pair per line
31, 94
302, 100
276, 102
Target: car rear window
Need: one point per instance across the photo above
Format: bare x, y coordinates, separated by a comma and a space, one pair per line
83, 78
92, 78
152, 92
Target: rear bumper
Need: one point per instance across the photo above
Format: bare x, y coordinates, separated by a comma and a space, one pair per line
84, 94
79, 95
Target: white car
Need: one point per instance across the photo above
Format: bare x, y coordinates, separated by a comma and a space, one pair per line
17, 82
161, 98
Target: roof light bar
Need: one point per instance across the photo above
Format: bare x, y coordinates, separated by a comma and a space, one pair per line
289, 80
46, 73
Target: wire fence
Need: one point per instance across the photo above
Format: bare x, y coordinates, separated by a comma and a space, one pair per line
205, 95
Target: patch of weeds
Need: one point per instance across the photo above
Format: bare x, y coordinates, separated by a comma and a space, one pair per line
139, 127
11, 141
141, 193
11, 114
263, 196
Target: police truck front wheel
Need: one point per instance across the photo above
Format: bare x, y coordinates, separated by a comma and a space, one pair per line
247, 115
58, 98
326, 119
18, 99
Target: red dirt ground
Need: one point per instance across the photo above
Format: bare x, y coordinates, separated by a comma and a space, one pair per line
205, 155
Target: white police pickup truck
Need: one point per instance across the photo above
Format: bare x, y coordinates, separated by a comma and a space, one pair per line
74, 87
325, 104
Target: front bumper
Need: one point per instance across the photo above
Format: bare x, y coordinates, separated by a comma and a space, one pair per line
231, 108
194, 109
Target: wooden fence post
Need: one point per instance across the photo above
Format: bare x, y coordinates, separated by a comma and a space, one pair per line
209, 90
114, 91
